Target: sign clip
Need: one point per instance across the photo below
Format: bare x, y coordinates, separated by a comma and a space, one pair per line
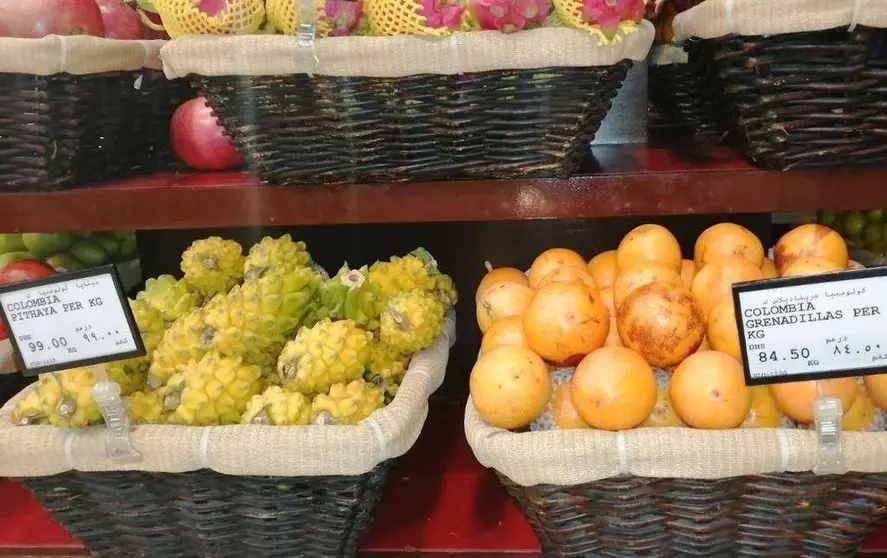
106, 395
306, 32
827, 413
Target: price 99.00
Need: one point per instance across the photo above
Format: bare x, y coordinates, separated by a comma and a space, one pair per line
55, 343
794, 354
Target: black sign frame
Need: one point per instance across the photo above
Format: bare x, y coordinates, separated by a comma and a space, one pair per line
67, 278
833, 277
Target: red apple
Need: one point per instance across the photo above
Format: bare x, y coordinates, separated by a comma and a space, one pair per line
200, 140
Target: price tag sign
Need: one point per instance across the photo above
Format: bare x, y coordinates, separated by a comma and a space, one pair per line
69, 320
815, 327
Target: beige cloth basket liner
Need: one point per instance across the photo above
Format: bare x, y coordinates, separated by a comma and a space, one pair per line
571, 457
79, 55
38, 451
717, 18
384, 57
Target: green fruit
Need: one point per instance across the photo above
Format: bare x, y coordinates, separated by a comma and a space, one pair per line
827, 218
875, 215
855, 223
88, 253
66, 262
44, 245
876, 248
120, 235
871, 235
854, 242
110, 245
11, 243
128, 248
9, 257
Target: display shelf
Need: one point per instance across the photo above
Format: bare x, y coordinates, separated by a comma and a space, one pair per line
682, 177
440, 501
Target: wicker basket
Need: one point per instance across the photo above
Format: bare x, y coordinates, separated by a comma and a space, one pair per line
663, 492
224, 491
64, 130
474, 105
816, 99
203, 513
689, 94
805, 80
779, 515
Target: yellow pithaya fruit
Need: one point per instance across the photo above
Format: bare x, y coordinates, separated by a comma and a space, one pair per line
189, 338
66, 398
213, 265
400, 274
275, 255
278, 407
325, 354
146, 407
347, 403
214, 390
411, 321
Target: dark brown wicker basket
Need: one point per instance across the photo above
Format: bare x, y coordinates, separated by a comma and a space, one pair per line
65, 130
773, 516
690, 95
816, 99
204, 513
508, 123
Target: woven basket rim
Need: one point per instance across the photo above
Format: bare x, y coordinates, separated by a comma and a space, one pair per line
400, 56
570, 457
77, 55
714, 19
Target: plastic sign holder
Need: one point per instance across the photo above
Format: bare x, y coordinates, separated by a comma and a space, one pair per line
815, 327
73, 320
69, 320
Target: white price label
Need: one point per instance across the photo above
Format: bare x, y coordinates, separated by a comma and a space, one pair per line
69, 320
815, 327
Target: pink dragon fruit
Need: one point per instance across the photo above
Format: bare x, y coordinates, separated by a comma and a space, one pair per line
509, 15
442, 13
609, 13
345, 17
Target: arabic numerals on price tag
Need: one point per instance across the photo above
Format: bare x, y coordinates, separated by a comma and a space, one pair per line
823, 326
69, 320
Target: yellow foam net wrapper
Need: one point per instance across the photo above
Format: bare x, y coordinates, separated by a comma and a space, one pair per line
570, 12
284, 16
401, 17
181, 17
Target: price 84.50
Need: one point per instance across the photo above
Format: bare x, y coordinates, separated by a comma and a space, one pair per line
793, 354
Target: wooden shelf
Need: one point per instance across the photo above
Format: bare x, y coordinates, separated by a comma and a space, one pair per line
440, 500
682, 178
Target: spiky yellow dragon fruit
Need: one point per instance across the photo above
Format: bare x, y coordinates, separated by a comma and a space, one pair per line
327, 353
347, 403
275, 255
412, 321
213, 265
278, 407
63, 399
212, 391
170, 297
